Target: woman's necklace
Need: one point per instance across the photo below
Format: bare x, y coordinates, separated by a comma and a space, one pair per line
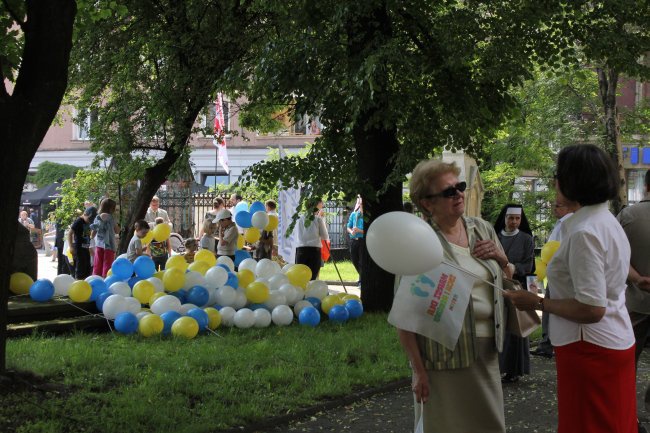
458, 237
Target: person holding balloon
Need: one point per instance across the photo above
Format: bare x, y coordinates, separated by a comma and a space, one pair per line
159, 250
228, 234
136, 248
589, 323
263, 248
460, 390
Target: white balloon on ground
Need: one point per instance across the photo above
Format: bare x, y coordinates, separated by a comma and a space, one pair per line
114, 305
282, 315
212, 296
216, 277
286, 267
240, 301
300, 305
157, 283
166, 303
186, 307
62, 284
289, 293
227, 316
403, 244
265, 268
275, 298
120, 288
249, 264
193, 278
133, 305
276, 281
262, 318
244, 318
122, 256
260, 219
316, 289
225, 260
226, 296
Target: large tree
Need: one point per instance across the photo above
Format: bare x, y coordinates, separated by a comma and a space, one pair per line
147, 71
392, 81
35, 44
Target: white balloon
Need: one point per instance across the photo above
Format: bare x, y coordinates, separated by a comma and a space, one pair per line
299, 307
286, 267
122, 256
157, 283
275, 298
289, 293
249, 264
227, 316
114, 305
316, 289
262, 318
142, 314
226, 296
403, 244
212, 296
262, 280
132, 305
93, 277
226, 261
260, 219
300, 294
264, 268
216, 277
186, 307
62, 284
241, 300
120, 288
244, 318
193, 278
282, 315
166, 303
277, 280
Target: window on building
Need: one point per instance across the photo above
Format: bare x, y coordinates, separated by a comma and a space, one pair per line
212, 179
83, 120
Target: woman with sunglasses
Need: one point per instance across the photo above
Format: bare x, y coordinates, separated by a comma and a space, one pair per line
517, 240
460, 389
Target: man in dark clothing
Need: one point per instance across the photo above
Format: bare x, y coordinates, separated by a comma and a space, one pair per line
79, 241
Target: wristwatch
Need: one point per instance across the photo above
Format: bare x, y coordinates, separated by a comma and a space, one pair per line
541, 304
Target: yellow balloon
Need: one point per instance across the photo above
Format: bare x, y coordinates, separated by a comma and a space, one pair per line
299, 275
159, 275
143, 290
19, 283
257, 292
342, 295
214, 317
150, 325
245, 277
548, 250
273, 223
200, 267
155, 296
186, 327
240, 241
80, 291
173, 279
540, 269
252, 235
146, 240
177, 261
206, 256
351, 297
161, 232
109, 273
329, 301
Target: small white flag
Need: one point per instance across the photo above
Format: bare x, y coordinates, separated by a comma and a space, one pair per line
219, 133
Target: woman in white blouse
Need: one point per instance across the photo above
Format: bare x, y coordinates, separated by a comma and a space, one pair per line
589, 323
310, 234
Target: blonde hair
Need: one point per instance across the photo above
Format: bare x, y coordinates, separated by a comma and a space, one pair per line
208, 226
424, 174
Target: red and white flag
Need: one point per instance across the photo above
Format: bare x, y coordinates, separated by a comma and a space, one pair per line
220, 132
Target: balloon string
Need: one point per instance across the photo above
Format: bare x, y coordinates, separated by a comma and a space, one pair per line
215, 333
471, 274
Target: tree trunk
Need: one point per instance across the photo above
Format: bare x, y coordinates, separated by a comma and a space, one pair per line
27, 115
376, 143
607, 84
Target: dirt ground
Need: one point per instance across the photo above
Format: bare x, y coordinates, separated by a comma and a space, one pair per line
530, 407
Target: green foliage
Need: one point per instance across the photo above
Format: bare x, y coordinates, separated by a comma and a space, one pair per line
50, 172
86, 185
12, 39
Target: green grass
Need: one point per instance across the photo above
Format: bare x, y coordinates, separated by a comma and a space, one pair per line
115, 383
345, 267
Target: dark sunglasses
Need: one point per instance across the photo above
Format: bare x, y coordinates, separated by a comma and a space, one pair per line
450, 192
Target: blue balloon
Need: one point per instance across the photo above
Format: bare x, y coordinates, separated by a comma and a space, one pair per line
144, 267
339, 314
122, 268
126, 323
181, 295
41, 290
200, 316
134, 280
233, 281
240, 256
314, 301
354, 307
222, 265
112, 279
309, 316
168, 318
243, 219
241, 206
101, 298
257, 206
98, 286
198, 296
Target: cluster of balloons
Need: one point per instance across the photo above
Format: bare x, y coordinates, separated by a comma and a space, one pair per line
254, 220
548, 251
186, 299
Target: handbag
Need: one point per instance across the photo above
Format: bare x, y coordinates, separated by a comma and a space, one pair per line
519, 323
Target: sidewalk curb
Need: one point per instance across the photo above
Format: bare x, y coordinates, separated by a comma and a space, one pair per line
276, 421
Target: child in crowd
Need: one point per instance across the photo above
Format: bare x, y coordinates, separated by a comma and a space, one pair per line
191, 245
264, 247
79, 241
160, 251
228, 234
207, 240
105, 228
136, 249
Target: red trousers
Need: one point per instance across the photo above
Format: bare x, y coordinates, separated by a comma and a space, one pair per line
103, 261
596, 389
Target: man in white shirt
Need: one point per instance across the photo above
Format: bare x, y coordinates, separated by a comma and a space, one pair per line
154, 212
